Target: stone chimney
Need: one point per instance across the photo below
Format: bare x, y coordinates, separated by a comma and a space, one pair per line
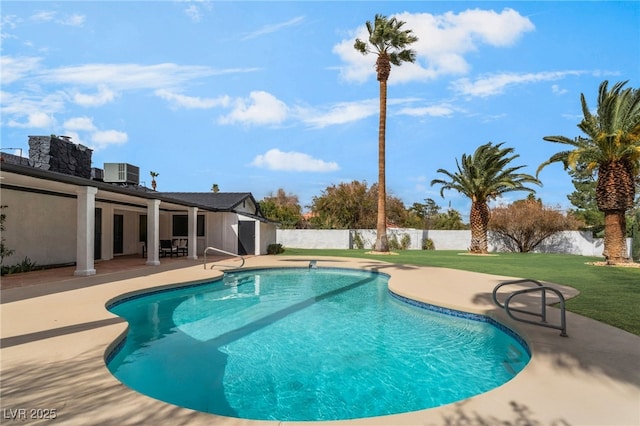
59, 154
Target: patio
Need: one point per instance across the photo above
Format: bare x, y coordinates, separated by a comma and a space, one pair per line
56, 333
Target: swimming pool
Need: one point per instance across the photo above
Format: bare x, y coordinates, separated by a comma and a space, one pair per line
306, 344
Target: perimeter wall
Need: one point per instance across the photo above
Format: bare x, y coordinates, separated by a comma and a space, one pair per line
568, 242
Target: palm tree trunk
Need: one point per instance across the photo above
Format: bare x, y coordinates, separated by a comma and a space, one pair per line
615, 244
479, 219
382, 243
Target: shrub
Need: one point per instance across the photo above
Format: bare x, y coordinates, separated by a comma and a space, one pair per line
427, 244
25, 266
405, 242
358, 242
275, 249
393, 242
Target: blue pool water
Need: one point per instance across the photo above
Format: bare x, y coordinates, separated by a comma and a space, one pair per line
306, 344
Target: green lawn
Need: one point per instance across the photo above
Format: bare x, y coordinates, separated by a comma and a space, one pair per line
607, 294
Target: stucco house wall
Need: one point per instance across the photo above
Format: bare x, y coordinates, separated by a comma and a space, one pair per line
39, 226
54, 197
267, 235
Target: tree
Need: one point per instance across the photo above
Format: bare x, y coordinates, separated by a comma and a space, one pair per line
353, 206
451, 220
524, 225
154, 175
344, 206
283, 208
584, 199
612, 149
427, 212
483, 177
388, 41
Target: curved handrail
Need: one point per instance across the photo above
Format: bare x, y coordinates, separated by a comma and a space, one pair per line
220, 251
543, 313
502, 284
563, 320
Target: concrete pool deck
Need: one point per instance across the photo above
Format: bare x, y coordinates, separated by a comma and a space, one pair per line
56, 332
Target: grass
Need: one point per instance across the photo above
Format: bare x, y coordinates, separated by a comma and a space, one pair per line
607, 294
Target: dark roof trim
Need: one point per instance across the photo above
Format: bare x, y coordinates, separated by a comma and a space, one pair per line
103, 186
144, 193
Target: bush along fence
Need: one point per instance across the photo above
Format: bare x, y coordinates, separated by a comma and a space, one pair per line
566, 242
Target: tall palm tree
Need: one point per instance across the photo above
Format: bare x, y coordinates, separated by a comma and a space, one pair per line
612, 148
389, 41
483, 177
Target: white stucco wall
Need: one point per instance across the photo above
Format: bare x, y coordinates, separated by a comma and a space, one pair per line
266, 236
570, 242
222, 231
39, 226
311, 238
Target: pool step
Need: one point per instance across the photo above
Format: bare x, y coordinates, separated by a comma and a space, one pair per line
514, 360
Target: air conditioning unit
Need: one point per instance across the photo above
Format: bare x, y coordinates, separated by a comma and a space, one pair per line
97, 174
121, 173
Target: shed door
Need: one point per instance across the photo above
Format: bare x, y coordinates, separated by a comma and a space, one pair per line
246, 237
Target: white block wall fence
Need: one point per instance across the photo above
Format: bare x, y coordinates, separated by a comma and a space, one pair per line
568, 242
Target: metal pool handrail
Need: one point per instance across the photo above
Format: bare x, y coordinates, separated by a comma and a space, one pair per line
220, 251
542, 289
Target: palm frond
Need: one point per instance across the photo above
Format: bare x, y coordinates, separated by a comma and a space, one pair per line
486, 174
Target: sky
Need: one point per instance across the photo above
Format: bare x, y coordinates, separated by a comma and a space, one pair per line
255, 96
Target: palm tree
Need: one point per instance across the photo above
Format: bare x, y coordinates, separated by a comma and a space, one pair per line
388, 40
612, 148
483, 177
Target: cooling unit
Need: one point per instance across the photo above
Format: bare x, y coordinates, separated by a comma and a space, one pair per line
121, 173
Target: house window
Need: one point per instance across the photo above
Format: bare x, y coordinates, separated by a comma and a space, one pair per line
181, 225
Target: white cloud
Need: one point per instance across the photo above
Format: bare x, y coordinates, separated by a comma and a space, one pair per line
74, 20
348, 112
268, 29
13, 68
80, 128
194, 13
191, 102
496, 84
21, 105
260, 108
43, 16
35, 120
9, 22
103, 138
104, 96
194, 10
443, 41
274, 159
80, 123
134, 76
557, 90
339, 113
433, 111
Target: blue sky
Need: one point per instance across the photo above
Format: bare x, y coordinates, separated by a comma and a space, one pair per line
256, 96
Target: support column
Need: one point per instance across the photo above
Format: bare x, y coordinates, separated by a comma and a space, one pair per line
85, 230
193, 233
153, 232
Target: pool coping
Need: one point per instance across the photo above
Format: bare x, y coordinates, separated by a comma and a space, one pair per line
54, 347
